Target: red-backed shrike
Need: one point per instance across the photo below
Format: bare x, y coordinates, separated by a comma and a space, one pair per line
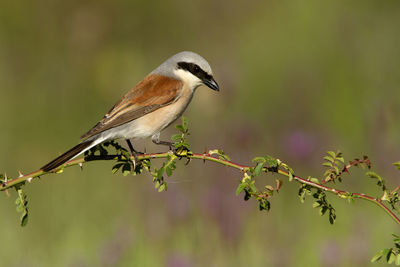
149, 107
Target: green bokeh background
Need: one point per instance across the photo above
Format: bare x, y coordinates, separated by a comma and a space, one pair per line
297, 78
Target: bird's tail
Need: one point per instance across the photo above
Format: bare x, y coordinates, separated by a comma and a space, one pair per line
73, 152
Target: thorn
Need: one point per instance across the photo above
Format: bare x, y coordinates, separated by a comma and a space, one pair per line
20, 174
29, 179
5, 178
346, 170
133, 160
204, 154
81, 166
7, 193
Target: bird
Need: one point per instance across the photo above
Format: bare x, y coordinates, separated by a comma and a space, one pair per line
149, 107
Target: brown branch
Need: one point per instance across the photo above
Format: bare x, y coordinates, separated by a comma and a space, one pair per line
208, 157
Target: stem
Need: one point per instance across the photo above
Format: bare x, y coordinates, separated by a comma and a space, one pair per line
377, 201
201, 156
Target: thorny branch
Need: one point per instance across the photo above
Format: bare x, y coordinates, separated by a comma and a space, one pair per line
22, 179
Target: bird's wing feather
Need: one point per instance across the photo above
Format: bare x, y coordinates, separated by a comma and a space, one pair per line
152, 93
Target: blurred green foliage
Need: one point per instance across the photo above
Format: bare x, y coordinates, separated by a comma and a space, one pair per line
297, 78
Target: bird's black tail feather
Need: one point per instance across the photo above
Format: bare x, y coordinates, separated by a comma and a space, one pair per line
76, 150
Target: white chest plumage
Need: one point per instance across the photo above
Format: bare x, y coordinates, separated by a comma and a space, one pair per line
154, 122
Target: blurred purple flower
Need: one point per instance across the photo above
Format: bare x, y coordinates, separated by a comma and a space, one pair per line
227, 210
178, 260
299, 144
330, 254
178, 205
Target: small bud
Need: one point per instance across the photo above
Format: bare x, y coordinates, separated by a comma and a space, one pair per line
20, 174
29, 179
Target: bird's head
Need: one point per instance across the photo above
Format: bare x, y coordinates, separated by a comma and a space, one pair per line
189, 67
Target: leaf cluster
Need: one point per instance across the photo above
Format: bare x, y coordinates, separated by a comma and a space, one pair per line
158, 174
180, 142
248, 183
334, 162
391, 197
390, 255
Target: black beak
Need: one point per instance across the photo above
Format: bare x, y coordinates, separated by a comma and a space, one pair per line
210, 82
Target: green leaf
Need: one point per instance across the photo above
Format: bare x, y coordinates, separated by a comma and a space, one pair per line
176, 137
397, 259
220, 153
160, 172
116, 167
323, 210
336, 169
161, 188
253, 187
271, 162
178, 145
331, 153
316, 204
377, 256
184, 122
329, 159
259, 159
258, 168
180, 128
386, 253
327, 164
341, 159
390, 257
373, 175
302, 194
290, 177
240, 188
22, 206
126, 169
24, 218
396, 238
168, 171
264, 204
397, 164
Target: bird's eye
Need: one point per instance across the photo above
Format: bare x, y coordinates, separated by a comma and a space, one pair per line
196, 68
